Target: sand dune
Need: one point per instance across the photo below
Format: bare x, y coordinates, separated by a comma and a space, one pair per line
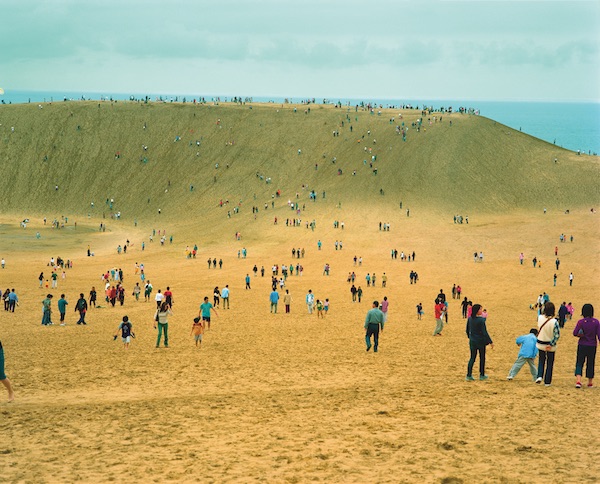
290, 398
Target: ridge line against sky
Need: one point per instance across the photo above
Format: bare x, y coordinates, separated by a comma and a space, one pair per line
546, 50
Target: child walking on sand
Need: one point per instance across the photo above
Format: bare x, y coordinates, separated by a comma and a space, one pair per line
126, 333
527, 354
198, 331
320, 309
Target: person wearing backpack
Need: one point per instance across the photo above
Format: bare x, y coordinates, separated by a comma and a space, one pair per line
81, 307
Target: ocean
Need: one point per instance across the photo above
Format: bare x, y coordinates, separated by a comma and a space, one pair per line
573, 126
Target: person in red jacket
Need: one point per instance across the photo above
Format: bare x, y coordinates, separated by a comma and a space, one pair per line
440, 309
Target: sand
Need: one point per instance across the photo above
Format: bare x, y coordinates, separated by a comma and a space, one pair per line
291, 398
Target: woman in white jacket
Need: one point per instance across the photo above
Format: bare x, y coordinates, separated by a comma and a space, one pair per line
548, 334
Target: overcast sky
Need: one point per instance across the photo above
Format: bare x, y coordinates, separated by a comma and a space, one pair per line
546, 50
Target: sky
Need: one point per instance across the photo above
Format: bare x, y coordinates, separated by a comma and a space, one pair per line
545, 50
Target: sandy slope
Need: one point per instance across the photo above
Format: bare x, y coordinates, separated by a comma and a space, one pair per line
289, 398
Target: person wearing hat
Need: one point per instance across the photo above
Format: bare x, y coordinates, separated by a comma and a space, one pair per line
47, 311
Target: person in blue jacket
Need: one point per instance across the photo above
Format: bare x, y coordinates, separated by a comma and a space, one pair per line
527, 354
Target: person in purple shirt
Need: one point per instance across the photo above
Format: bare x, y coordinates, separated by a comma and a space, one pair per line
588, 332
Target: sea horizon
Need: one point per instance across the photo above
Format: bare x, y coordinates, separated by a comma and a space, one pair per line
574, 126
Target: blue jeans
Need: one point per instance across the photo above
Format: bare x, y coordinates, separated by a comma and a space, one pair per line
476, 348
46, 318
519, 364
372, 329
81, 317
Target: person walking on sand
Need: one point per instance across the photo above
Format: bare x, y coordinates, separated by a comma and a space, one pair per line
310, 301
4, 379
205, 309
62, 309
93, 297
588, 332
287, 300
13, 300
527, 354
548, 335
216, 296
225, 296
81, 307
439, 310
373, 325
320, 307
126, 332
384, 308
274, 298
198, 331
159, 298
464, 304
47, 310
478, 340
161, 321
147, 291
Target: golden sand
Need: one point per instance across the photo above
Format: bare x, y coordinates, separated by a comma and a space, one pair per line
290, 398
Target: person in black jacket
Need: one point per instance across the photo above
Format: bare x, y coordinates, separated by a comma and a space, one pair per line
478, 340
81, 307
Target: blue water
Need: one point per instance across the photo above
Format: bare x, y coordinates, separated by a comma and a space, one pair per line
574, 126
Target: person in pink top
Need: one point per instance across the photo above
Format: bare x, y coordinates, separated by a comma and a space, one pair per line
588, 332
571, 310
384, 308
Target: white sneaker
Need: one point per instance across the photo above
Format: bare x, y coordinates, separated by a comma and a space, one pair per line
539, 379
63, 324
509, 377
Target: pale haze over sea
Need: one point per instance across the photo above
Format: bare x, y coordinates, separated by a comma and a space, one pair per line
574, 126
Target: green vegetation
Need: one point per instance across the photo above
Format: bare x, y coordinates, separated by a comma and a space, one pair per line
475, 164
